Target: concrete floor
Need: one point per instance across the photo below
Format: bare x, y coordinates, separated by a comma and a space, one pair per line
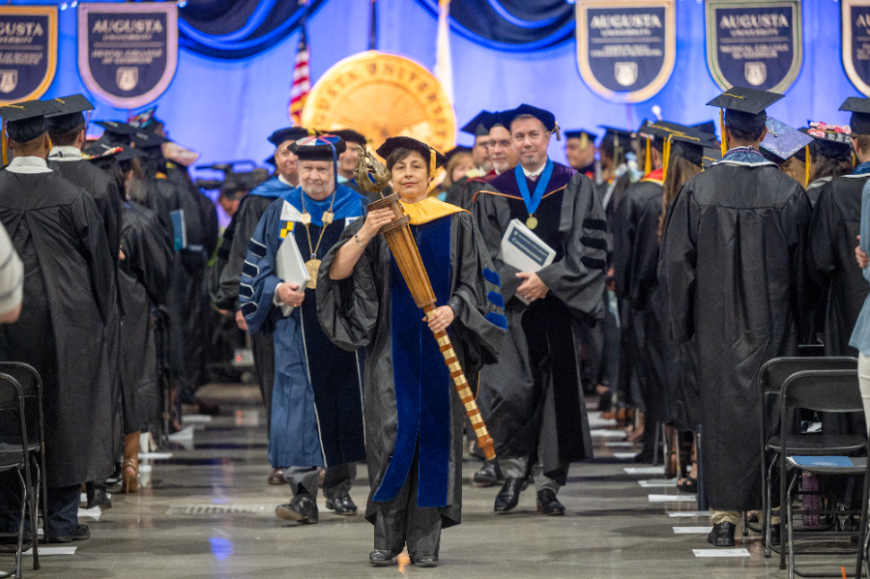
208, 513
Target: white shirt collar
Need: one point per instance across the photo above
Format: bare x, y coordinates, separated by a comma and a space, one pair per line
28, 165
285, 181
65, 153
533, 175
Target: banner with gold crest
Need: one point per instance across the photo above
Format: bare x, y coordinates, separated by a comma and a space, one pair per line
128, 51
855, 42
753, 43
28, 52
626, 49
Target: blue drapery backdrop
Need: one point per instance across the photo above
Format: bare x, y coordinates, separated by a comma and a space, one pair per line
232, 85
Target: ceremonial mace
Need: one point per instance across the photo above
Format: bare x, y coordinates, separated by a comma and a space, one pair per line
372, 176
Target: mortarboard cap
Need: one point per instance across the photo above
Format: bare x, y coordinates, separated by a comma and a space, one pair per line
271, 161
290, 134
26, 121
70, 116
145, 121
480, 125
860, 109
318, 148
116, 132
585, 136
708, 127
745, 107
148, 140
455, 151
428, 153
711, 155
685, 141
546, 117
830, 141
351, 136
783, 141
618, 137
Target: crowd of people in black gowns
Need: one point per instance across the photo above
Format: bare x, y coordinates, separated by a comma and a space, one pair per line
671, 266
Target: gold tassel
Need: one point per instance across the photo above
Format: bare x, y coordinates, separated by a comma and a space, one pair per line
807, 180
431, 168
667, 158
558, 132
647, 164
723, 145
5, 153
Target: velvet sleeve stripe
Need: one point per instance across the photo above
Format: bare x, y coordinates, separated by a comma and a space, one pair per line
248, 309
593, 263
250, 270
257, 248
594, 243
597, 224
497, 320
492, 277
495, 299
246, 291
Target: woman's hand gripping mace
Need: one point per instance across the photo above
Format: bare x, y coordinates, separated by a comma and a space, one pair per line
407, 256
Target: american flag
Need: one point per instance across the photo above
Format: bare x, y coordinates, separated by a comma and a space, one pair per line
301, 80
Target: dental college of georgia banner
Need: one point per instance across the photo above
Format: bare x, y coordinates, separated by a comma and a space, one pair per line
626, 49
754, 44
128, 51
28, 52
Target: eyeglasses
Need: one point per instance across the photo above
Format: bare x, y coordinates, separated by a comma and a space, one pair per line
504, 144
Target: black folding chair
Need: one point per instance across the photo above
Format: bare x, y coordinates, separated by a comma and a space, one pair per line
822, 391
772, 376
14, 455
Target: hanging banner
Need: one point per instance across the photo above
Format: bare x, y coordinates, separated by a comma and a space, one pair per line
856, 42
754, 44
626, 49
128, 51
28, 52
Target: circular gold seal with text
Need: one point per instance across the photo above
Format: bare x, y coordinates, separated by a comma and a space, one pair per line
382, 95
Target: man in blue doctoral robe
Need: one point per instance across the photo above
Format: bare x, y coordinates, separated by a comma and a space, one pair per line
317, 397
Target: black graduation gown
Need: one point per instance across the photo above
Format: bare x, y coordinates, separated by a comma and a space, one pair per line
372, 309
143, 278
526, 406
636, 256
463, 192
69, 301
833, 237
733, 258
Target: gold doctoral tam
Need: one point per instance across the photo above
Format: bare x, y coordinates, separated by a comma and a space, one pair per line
382, 95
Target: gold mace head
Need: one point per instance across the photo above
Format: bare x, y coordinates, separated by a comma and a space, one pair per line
371, 174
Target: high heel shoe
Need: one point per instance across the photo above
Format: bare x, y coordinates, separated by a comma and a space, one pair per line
130, 477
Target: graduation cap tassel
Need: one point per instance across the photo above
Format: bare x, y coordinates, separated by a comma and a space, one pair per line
667, 158
722, 145
647, 163
432, 168
807, 177
558, 132
5, 153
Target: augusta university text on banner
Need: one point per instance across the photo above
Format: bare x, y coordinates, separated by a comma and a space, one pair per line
28, 52
128, 52
626, 50
856, 43
754, 44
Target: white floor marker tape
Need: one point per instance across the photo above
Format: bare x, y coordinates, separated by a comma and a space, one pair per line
673, 499
673, 514
662, 484
692, 530
720, 552
644, 469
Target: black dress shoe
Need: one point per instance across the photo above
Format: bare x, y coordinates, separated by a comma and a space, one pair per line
488, 475
81, 533
722, 535
342, 506
301, 509
382, 557
98, 497
509, 495
549, 505
424, 559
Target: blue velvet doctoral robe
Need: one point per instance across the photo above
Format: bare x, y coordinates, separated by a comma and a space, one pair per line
317, 397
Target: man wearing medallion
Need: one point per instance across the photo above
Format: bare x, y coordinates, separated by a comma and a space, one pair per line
537, 414
316, 405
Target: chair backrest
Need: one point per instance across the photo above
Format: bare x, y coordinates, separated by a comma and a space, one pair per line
12, 411
775, 372
823, 390
30, 383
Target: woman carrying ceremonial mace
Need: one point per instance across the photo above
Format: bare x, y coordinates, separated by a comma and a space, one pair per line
415, 404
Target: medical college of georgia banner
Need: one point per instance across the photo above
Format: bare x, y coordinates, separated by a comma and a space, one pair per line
626, 49
754, 44
128, 51
856, 42
28, 52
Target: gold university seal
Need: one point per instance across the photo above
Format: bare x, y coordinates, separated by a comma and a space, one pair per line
382, 95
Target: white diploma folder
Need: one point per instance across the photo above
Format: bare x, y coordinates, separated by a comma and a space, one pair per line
290, 267
522, 249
